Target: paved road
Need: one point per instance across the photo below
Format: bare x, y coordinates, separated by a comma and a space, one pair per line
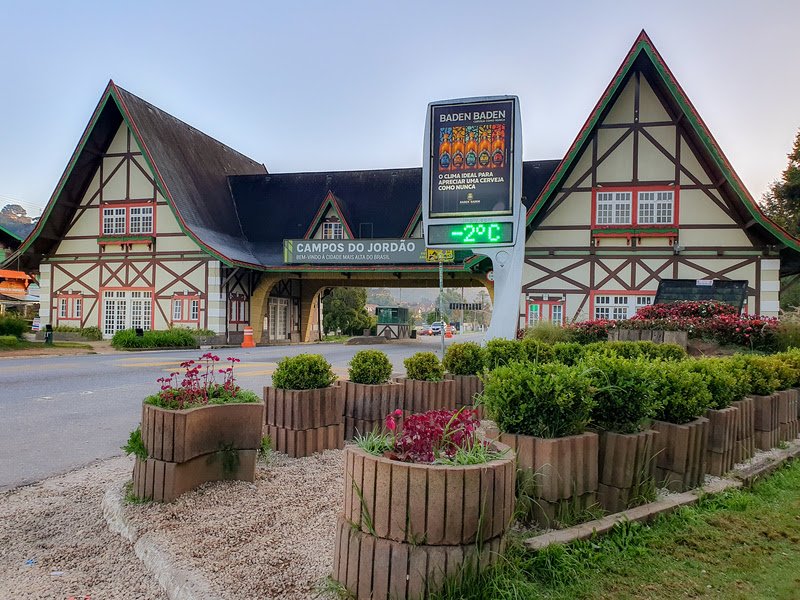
58, 413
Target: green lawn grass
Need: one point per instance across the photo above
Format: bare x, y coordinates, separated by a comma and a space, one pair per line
9, 343
736, 545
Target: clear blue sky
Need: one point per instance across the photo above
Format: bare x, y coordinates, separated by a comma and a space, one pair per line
324, 85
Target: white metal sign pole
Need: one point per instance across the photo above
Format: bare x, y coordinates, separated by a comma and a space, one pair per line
507, 266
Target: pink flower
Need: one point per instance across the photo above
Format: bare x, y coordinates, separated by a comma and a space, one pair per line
390, 423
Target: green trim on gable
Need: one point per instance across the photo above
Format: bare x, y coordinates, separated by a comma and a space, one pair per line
645, 45
328, 202
10, 233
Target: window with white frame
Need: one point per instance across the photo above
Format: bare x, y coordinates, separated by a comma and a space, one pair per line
534, 314
70, 307
141, 219
618, 307
186, 308
557, 314
332, 230
114, 221
656, 208
613, 208
126, 310
177, 310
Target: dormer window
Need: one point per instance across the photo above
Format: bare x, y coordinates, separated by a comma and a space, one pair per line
332, 230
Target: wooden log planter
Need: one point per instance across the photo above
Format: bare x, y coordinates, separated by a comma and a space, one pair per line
745, 430
189, 447
564, 470
302, 422
422, 396
721, 450
681, 456
627, 467
467, 387
766, 421
789, 426
658, 336
366, 406
407, 526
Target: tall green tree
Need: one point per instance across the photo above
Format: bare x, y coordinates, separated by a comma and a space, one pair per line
782, 202
344, 311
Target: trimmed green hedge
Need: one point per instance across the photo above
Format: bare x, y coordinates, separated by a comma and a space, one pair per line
544, 400
170, 338
424, 366
371, 367
464, 358
303, 372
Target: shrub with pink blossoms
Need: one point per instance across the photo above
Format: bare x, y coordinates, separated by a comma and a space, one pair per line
202, 383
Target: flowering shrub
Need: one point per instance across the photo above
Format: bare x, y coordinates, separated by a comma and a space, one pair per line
587, 332
703, 309
434, 437
199, 385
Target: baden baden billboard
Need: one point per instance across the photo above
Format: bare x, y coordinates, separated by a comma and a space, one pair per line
471, 170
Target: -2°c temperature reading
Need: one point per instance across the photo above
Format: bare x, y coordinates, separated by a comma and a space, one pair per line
470, 233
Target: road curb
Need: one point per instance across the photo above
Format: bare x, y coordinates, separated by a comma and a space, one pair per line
178, 581
741, 476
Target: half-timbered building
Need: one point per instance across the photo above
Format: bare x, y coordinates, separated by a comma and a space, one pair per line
155, 224
644, 194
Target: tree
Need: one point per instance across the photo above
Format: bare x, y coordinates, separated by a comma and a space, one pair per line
782, 202
14, 218
344, 311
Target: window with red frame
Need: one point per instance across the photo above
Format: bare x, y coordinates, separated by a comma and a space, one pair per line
238, 308
70, 307
123, 220
632, 207
186, 309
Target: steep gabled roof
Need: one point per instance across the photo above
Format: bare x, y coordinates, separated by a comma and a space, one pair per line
383, 202
644, 54
9, 238
190, 167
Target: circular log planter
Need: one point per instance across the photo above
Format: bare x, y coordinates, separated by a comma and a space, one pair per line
405, 525
745, 429
189, 447
467, 387
681, 454
658, 336
721, 451
564, 470
366, 406
302, 422
787, 415
627, 468
766, 420
422, 396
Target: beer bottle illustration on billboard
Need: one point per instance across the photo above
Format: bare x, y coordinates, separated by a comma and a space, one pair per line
471, 156
484, 146
458, 148
444, 148
498, 146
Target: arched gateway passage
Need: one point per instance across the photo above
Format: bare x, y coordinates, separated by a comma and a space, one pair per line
287, 308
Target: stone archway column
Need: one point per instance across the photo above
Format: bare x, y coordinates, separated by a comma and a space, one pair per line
258, 305
309, 311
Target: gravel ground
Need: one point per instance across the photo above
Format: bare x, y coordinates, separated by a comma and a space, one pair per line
54, 542
269, 539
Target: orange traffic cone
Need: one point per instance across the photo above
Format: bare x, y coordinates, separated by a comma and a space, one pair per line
248, 341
